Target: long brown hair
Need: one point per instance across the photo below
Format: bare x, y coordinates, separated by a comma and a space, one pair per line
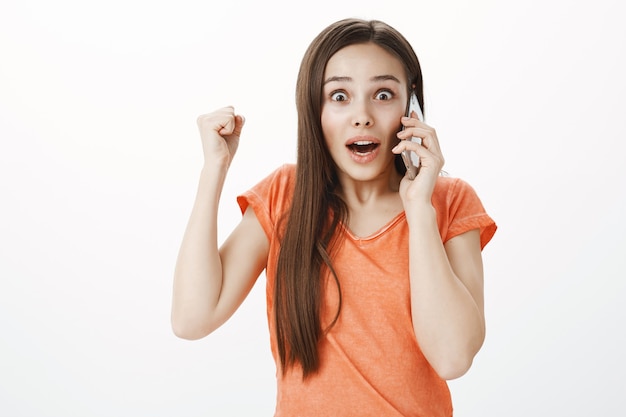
309, 234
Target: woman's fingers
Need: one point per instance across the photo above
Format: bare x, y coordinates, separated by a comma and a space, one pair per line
222, 121
220, 131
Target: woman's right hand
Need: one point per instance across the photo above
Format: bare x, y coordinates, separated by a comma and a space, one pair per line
220, 131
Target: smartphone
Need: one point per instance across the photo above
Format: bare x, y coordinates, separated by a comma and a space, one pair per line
411, 160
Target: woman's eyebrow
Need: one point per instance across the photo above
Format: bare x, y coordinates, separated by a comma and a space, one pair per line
337, 78
376, 78
385, 78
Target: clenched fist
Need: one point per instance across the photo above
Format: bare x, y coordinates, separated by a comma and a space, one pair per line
220, 131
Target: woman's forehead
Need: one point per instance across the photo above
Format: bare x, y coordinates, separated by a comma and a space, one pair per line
364, 61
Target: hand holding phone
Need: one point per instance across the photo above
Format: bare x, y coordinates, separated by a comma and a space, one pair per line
411, 160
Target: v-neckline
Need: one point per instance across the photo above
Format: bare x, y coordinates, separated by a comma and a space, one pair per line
392, 222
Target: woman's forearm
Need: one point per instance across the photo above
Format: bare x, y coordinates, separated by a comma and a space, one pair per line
448, 320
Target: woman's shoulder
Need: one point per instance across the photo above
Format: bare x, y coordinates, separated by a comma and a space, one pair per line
453, 193
286, 170
279, 177
447, 185
275, 189
282, 179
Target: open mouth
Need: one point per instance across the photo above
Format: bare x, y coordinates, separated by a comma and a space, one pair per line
363, 147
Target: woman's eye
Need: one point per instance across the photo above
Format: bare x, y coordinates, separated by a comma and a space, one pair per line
384, 95
338, 96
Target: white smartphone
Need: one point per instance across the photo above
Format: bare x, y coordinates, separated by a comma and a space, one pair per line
411, 160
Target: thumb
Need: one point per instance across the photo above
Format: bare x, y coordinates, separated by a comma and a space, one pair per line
239, 122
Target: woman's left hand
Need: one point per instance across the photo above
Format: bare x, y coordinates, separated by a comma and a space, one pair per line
431, 160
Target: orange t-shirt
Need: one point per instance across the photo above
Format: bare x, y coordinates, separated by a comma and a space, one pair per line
370, 360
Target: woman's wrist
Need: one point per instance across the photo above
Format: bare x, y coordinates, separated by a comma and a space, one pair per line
420, 214
213, 171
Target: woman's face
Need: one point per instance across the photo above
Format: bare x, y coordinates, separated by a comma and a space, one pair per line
364, 97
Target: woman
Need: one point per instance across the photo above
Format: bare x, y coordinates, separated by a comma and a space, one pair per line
374, 281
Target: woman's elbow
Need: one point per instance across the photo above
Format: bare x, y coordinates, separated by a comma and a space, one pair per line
453, 368
455, 363
190, 329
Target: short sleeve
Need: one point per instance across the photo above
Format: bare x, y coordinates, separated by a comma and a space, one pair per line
270, 198
465, 212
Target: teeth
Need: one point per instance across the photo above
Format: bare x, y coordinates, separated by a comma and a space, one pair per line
362, 143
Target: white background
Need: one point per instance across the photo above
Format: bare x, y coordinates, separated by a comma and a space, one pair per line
100, 156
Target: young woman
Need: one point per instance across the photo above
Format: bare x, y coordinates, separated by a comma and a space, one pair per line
374, 280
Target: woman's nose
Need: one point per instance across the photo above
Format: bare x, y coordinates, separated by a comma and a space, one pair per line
362, 116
